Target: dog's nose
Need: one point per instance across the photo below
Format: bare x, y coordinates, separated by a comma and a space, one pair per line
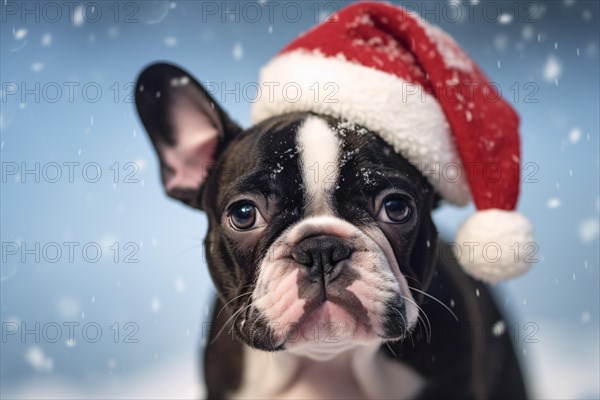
321, 253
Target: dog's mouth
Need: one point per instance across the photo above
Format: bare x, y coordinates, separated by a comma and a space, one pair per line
325, 321
328, 323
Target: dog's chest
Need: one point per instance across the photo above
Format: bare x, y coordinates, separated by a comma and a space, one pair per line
358, 373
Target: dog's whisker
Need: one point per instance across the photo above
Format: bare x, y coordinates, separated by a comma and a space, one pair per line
412, 339
235, 319
412, 278
226, 323
401, 316
423, 329
390, 347
222, 293
422, 326
249, 303
406, 325
230, 301
436, 300
428, 336
252, 331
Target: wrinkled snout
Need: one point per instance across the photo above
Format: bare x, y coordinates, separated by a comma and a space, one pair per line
323, 256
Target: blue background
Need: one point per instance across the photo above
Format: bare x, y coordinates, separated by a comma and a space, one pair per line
543, 55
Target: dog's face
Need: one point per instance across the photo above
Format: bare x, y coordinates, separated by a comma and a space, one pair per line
318, 231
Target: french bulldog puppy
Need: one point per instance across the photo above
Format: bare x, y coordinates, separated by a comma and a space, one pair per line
331, 282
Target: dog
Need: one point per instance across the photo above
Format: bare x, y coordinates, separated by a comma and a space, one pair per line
331, 281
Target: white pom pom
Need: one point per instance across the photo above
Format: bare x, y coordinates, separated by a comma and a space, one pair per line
494, 245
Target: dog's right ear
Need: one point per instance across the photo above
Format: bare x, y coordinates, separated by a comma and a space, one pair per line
186, 126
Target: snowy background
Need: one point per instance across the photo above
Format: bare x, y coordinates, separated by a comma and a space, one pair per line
136, 270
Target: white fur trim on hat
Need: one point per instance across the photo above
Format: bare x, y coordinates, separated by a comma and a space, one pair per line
495, 245
401, 113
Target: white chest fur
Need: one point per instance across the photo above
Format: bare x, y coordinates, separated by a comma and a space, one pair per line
362, 372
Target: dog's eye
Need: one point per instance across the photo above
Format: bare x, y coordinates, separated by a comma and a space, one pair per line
245, 216
395, 210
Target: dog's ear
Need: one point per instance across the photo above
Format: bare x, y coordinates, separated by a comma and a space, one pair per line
187, 127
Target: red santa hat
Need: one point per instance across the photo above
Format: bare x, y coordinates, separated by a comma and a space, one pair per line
382, 67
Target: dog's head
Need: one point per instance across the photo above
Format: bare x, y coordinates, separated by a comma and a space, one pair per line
318, 231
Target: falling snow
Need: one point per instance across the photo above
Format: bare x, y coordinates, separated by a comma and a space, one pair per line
574, 135
155, 305
37, 66
20, 34
113, 32
586, 317
586, 15
140, 164
179, 284
500, 42
68, 306
36, 358
552, 69
527, 32
499, 328
238, 51
78, 17
553, 202
170, 41
46, 39
505, 19
588, 229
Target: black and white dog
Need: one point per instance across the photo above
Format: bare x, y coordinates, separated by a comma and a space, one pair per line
325, 258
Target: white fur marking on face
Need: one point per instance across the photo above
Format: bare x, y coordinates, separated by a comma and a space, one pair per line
320, 155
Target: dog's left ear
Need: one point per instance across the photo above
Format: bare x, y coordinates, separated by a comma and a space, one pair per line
187, 127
